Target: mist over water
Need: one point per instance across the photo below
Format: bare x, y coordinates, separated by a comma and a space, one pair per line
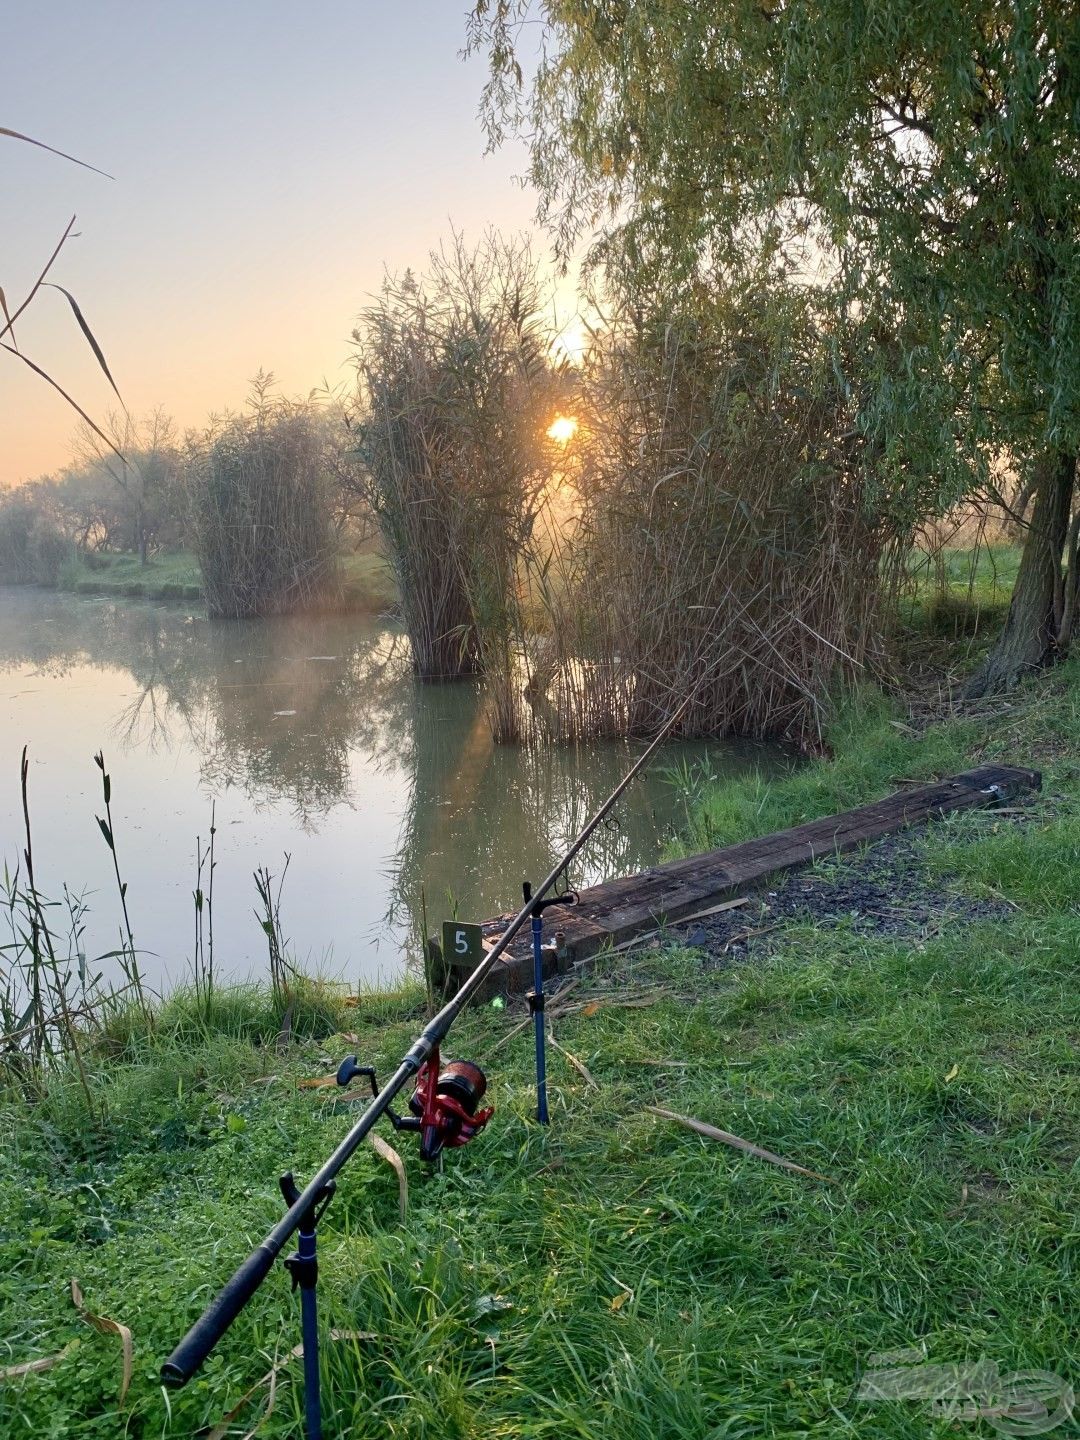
312, 739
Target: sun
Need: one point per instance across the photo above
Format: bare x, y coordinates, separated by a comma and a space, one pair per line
562, 429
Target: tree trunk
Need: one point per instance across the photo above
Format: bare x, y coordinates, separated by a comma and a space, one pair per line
1071, 586
1031, 634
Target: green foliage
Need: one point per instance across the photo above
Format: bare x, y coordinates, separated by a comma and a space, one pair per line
33, 550
915, 168
934, 153
98, 505
124, 491
368, 583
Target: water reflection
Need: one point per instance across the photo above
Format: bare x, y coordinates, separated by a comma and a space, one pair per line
312, 737
479, 810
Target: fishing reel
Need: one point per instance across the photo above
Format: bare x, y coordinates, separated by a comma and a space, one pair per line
444, 1105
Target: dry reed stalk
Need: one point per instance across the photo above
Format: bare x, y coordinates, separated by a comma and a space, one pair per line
455, 388
722, 546
711, 1132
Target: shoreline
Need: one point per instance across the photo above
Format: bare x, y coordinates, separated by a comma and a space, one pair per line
368, 586
896, 1020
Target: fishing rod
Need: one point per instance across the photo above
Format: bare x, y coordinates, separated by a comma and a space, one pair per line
444, 1111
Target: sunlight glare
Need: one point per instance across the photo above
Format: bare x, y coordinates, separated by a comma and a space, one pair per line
562, 429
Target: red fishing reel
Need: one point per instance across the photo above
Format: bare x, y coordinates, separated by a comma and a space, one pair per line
446, 1102
444, 1105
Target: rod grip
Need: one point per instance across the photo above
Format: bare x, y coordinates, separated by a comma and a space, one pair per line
216, 1318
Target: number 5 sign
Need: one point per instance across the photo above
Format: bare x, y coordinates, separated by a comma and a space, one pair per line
463, 945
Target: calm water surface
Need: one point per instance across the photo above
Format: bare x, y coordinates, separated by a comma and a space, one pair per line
312, 739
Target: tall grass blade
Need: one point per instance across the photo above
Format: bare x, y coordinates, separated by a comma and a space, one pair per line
29, 140
80, 319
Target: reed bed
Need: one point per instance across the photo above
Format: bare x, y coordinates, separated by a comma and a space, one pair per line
454, 383
260, 502
708, 533
720, 545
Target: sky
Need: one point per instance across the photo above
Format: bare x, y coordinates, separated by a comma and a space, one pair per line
271, 159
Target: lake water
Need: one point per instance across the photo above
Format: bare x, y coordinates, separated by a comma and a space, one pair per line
313, 740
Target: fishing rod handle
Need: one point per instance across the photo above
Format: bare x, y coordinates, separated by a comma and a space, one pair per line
216, 1318
235, 1294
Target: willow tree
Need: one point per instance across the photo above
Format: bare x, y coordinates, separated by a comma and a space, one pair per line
930, 157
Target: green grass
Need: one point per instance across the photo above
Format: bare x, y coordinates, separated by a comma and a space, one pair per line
985, 574
872, 750
615, 1277
960, 594
368, 584
163, 577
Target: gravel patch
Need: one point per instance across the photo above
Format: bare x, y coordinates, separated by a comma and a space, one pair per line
884, 890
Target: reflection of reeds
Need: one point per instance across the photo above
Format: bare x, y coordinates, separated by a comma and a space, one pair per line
454, 383
217, 686
533, 801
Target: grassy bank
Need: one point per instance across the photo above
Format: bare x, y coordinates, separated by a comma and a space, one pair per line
163, 577
615, 1276
368, 584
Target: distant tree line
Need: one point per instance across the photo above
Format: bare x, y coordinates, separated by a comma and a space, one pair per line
229, 492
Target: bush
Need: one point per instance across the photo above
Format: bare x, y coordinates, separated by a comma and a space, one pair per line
260, 506
32, 547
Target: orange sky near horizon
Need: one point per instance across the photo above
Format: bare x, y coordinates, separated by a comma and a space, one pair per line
271, 161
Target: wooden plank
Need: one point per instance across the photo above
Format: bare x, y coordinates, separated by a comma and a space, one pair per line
617, 911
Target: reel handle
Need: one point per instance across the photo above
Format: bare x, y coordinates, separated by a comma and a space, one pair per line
349, 1069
